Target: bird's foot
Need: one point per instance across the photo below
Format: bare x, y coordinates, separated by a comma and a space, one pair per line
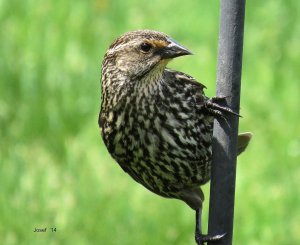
201, 239
217, 110
220, 98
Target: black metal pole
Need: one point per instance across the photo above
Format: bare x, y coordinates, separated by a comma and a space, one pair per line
229, 68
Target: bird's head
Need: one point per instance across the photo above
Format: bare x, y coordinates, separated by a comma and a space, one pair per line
137, 53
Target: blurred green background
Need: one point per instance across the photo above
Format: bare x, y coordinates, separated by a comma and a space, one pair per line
54, 169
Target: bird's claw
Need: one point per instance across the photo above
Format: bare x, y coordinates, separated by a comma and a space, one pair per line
217, 110
201, 239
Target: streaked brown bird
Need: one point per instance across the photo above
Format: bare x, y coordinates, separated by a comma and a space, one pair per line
157, 123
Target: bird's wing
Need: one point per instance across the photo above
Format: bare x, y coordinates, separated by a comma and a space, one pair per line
184, 78
191, 87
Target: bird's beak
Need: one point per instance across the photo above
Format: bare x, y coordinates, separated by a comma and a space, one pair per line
173, 50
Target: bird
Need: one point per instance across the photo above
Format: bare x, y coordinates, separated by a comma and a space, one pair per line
157, 123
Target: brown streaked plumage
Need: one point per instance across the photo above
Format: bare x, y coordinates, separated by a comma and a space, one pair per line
157, 123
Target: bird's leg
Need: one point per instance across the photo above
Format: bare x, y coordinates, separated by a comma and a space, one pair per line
199, 237
217, 110
198, 230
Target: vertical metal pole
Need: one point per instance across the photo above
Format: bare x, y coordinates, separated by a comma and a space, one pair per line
229, 68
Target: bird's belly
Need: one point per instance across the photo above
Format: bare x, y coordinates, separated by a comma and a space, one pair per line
162, 157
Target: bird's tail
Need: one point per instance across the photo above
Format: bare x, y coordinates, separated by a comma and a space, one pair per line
243, 141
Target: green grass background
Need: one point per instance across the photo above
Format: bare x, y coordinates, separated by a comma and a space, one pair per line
54, 168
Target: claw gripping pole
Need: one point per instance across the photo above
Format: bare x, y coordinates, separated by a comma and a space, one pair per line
229, 68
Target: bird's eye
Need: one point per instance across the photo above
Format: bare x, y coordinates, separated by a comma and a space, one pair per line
145, 47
